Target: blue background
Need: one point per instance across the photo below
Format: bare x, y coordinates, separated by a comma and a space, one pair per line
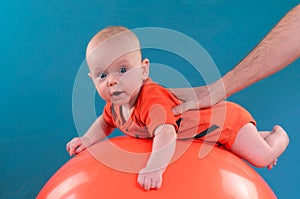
43, 45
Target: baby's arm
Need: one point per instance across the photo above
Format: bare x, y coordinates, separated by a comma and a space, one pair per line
163, 148
99, 129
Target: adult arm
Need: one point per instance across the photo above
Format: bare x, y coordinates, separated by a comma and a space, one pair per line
279, 48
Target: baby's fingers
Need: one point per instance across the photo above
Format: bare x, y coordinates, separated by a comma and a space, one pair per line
152, 183
80, 148
72, 146
147, 183
157, 183
141, 180
144, 182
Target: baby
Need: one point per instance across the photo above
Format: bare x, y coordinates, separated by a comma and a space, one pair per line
142, 108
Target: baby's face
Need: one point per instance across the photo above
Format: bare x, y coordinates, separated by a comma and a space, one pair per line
117, 73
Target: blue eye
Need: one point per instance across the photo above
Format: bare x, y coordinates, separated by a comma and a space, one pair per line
102, 75
123, 70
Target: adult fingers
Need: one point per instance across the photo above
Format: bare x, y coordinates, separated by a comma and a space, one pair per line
183, 107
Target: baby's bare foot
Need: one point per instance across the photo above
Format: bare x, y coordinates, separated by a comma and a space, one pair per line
279, 129
282, 142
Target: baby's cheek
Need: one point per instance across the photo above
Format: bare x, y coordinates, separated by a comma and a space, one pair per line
103, 93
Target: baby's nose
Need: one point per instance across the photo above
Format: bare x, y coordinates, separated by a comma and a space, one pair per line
112, 81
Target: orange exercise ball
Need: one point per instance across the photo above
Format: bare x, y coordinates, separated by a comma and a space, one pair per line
108, 170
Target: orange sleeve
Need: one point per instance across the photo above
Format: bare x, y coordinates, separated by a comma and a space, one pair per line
107, 115
156, 105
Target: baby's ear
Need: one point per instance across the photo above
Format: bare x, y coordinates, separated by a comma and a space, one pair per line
145, 65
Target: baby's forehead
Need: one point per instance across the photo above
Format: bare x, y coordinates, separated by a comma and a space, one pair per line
123, 39
111, 49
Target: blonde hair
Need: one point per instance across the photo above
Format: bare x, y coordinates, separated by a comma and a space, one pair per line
111, 31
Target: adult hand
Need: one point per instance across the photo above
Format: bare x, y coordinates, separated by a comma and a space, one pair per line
198, 97
279, 48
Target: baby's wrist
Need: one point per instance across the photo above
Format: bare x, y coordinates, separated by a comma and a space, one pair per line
86, 141
153, 168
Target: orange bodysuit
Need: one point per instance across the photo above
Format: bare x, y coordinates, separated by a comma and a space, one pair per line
219, 123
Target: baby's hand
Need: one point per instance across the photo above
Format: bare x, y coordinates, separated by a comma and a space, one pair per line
150, 178
78, 144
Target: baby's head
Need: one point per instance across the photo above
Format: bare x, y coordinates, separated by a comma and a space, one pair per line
115, 35
116, 66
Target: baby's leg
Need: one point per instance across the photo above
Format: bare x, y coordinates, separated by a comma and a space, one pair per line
260, 149
265, 134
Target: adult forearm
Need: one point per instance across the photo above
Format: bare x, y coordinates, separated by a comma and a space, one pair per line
278, 49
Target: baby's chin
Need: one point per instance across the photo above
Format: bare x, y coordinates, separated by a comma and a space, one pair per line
119, 102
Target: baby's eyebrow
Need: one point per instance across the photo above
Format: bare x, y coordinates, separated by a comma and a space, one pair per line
123, 61
97, 70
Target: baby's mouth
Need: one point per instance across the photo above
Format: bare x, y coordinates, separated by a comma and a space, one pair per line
116, 93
